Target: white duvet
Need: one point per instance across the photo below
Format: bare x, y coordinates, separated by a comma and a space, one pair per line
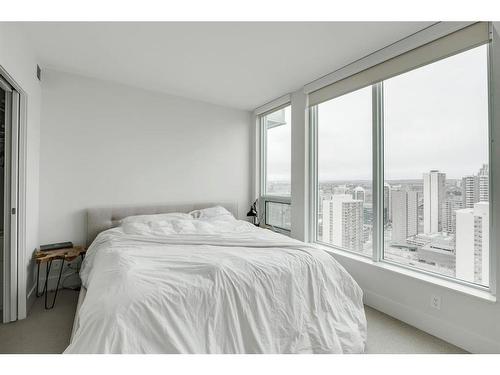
222, 286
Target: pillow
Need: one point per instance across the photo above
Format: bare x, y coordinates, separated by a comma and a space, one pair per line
211, 212
218, 225
162, 227
183, 227
155, 218
204, 227
136, 228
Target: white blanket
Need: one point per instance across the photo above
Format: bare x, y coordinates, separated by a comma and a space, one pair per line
247, 290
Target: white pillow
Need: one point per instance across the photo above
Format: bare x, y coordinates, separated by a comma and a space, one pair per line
163, 227
204, 227
183, 226
136, 228
155, 218
211, 212
213, 225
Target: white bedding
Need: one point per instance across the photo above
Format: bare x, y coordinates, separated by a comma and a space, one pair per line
224, 288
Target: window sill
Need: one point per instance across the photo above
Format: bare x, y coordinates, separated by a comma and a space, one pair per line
276, 229
477, 292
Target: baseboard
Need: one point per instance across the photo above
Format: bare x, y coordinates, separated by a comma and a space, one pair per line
51, 286
456, 335
30, 299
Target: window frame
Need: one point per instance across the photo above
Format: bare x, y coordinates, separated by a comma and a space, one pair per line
276, 201
263, 196
378, 186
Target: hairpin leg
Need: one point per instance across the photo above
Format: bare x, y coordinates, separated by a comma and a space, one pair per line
38, 294
57, 286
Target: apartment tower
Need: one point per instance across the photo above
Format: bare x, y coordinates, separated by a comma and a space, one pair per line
343, 222
472, 244
404, 215
434, 194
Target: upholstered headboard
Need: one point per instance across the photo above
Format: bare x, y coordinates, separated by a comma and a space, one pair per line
102, 218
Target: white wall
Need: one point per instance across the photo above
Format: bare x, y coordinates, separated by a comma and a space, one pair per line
18, 59
103, 144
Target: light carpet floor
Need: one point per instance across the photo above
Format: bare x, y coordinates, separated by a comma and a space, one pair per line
48, 331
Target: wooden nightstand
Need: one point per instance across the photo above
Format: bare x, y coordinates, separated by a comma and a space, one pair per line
48, 257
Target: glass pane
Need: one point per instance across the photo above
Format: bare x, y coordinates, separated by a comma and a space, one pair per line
278, 152
436, 171
278, 215
344, 127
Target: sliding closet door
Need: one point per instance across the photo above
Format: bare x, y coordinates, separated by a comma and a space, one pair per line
12, 210
10, 202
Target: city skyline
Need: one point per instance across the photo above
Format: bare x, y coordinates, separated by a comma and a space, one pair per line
427, 224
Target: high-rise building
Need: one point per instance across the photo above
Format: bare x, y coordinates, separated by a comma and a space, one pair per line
470, 191
434, 194
343, 222
342, 189
368, 214
358, 193
475, 188
450, 206
404, 215
387, 203
484, 189
472, 244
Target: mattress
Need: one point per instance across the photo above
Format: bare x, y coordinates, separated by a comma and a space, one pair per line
213, 285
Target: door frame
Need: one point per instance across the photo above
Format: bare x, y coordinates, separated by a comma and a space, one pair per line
21, 267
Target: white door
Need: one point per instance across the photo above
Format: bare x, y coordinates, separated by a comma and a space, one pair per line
10, 202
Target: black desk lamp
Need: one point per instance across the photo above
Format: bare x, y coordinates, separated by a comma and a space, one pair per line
253, 213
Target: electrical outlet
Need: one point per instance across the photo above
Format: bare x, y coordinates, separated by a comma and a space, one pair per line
436, 302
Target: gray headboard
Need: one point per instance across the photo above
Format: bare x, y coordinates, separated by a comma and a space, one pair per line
102, 218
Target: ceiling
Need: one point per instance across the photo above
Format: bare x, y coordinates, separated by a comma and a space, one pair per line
240, 65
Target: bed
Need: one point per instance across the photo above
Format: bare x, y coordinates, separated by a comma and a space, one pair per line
193, 279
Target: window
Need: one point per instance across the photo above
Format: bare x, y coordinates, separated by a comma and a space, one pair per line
277, 152
278, 215
400, 156
344, 205
436, 167
275, 199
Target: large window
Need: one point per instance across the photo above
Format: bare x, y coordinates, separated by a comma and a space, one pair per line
275, 198
436, 167
344, 205
401, 167
277, 152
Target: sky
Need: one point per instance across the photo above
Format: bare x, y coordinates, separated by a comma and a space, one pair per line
279, 155
345, 137
435, 117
